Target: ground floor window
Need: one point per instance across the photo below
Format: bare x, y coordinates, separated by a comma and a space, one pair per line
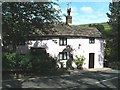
63, 55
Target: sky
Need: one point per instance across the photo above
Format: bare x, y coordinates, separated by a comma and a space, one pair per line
85, 12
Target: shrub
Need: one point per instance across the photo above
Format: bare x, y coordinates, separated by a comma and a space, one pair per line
79, 61
43, 64
25, 63
9, 60
16, 62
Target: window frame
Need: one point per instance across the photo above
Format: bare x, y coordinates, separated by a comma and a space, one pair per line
63, 54
91, 40
62, 41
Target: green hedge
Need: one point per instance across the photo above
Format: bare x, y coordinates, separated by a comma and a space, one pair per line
43, 64
15, 62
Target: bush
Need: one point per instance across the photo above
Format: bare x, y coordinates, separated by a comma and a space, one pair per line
43, 64
79, 61
9, 60
36, 64
16, 62
25, 63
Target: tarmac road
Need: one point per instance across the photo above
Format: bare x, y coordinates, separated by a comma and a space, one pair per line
109, 79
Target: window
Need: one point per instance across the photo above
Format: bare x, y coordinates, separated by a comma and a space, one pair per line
63, 41
91, 40
63, 55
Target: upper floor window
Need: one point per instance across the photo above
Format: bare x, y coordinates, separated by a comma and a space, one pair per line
63, 55
91, 40
63, 41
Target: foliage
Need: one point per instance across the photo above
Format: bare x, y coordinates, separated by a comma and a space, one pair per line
113, 34
24, 62
115, 65
9, 60
106, 26
13, 61
35, 64
41, 61
79, 61
21, 19
43, 64
69, 50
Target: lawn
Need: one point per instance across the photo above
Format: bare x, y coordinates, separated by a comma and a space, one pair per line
105, 25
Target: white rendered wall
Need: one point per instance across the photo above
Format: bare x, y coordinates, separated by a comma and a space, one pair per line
54, 48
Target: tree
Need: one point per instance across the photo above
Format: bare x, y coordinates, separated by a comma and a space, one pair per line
21, 19
114, 22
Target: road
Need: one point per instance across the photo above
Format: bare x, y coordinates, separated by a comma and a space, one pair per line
88, 79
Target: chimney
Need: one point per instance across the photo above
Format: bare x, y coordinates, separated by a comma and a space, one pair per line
68, 17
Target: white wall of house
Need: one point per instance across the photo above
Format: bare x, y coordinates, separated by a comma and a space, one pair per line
81, 46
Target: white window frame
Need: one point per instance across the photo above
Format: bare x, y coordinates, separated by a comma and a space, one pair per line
91, 40
63, 55
63, 41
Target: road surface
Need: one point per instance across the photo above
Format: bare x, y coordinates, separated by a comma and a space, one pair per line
88, 79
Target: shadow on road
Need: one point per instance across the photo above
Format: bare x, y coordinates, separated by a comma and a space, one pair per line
83, 80
12, 84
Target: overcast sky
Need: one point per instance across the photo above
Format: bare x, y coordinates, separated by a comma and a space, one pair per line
85, 12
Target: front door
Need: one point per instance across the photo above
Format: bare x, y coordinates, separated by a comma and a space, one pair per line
91, 60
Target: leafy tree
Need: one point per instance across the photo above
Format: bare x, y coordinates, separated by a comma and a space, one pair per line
22, 19
113, 35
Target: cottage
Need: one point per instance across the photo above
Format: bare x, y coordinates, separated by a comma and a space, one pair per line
83, 40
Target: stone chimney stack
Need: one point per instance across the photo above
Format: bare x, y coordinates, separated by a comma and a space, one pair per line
68, 17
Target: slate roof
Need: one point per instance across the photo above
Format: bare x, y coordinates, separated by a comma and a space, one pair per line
72, 30
75, 30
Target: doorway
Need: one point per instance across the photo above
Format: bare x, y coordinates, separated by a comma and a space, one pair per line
91, 60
